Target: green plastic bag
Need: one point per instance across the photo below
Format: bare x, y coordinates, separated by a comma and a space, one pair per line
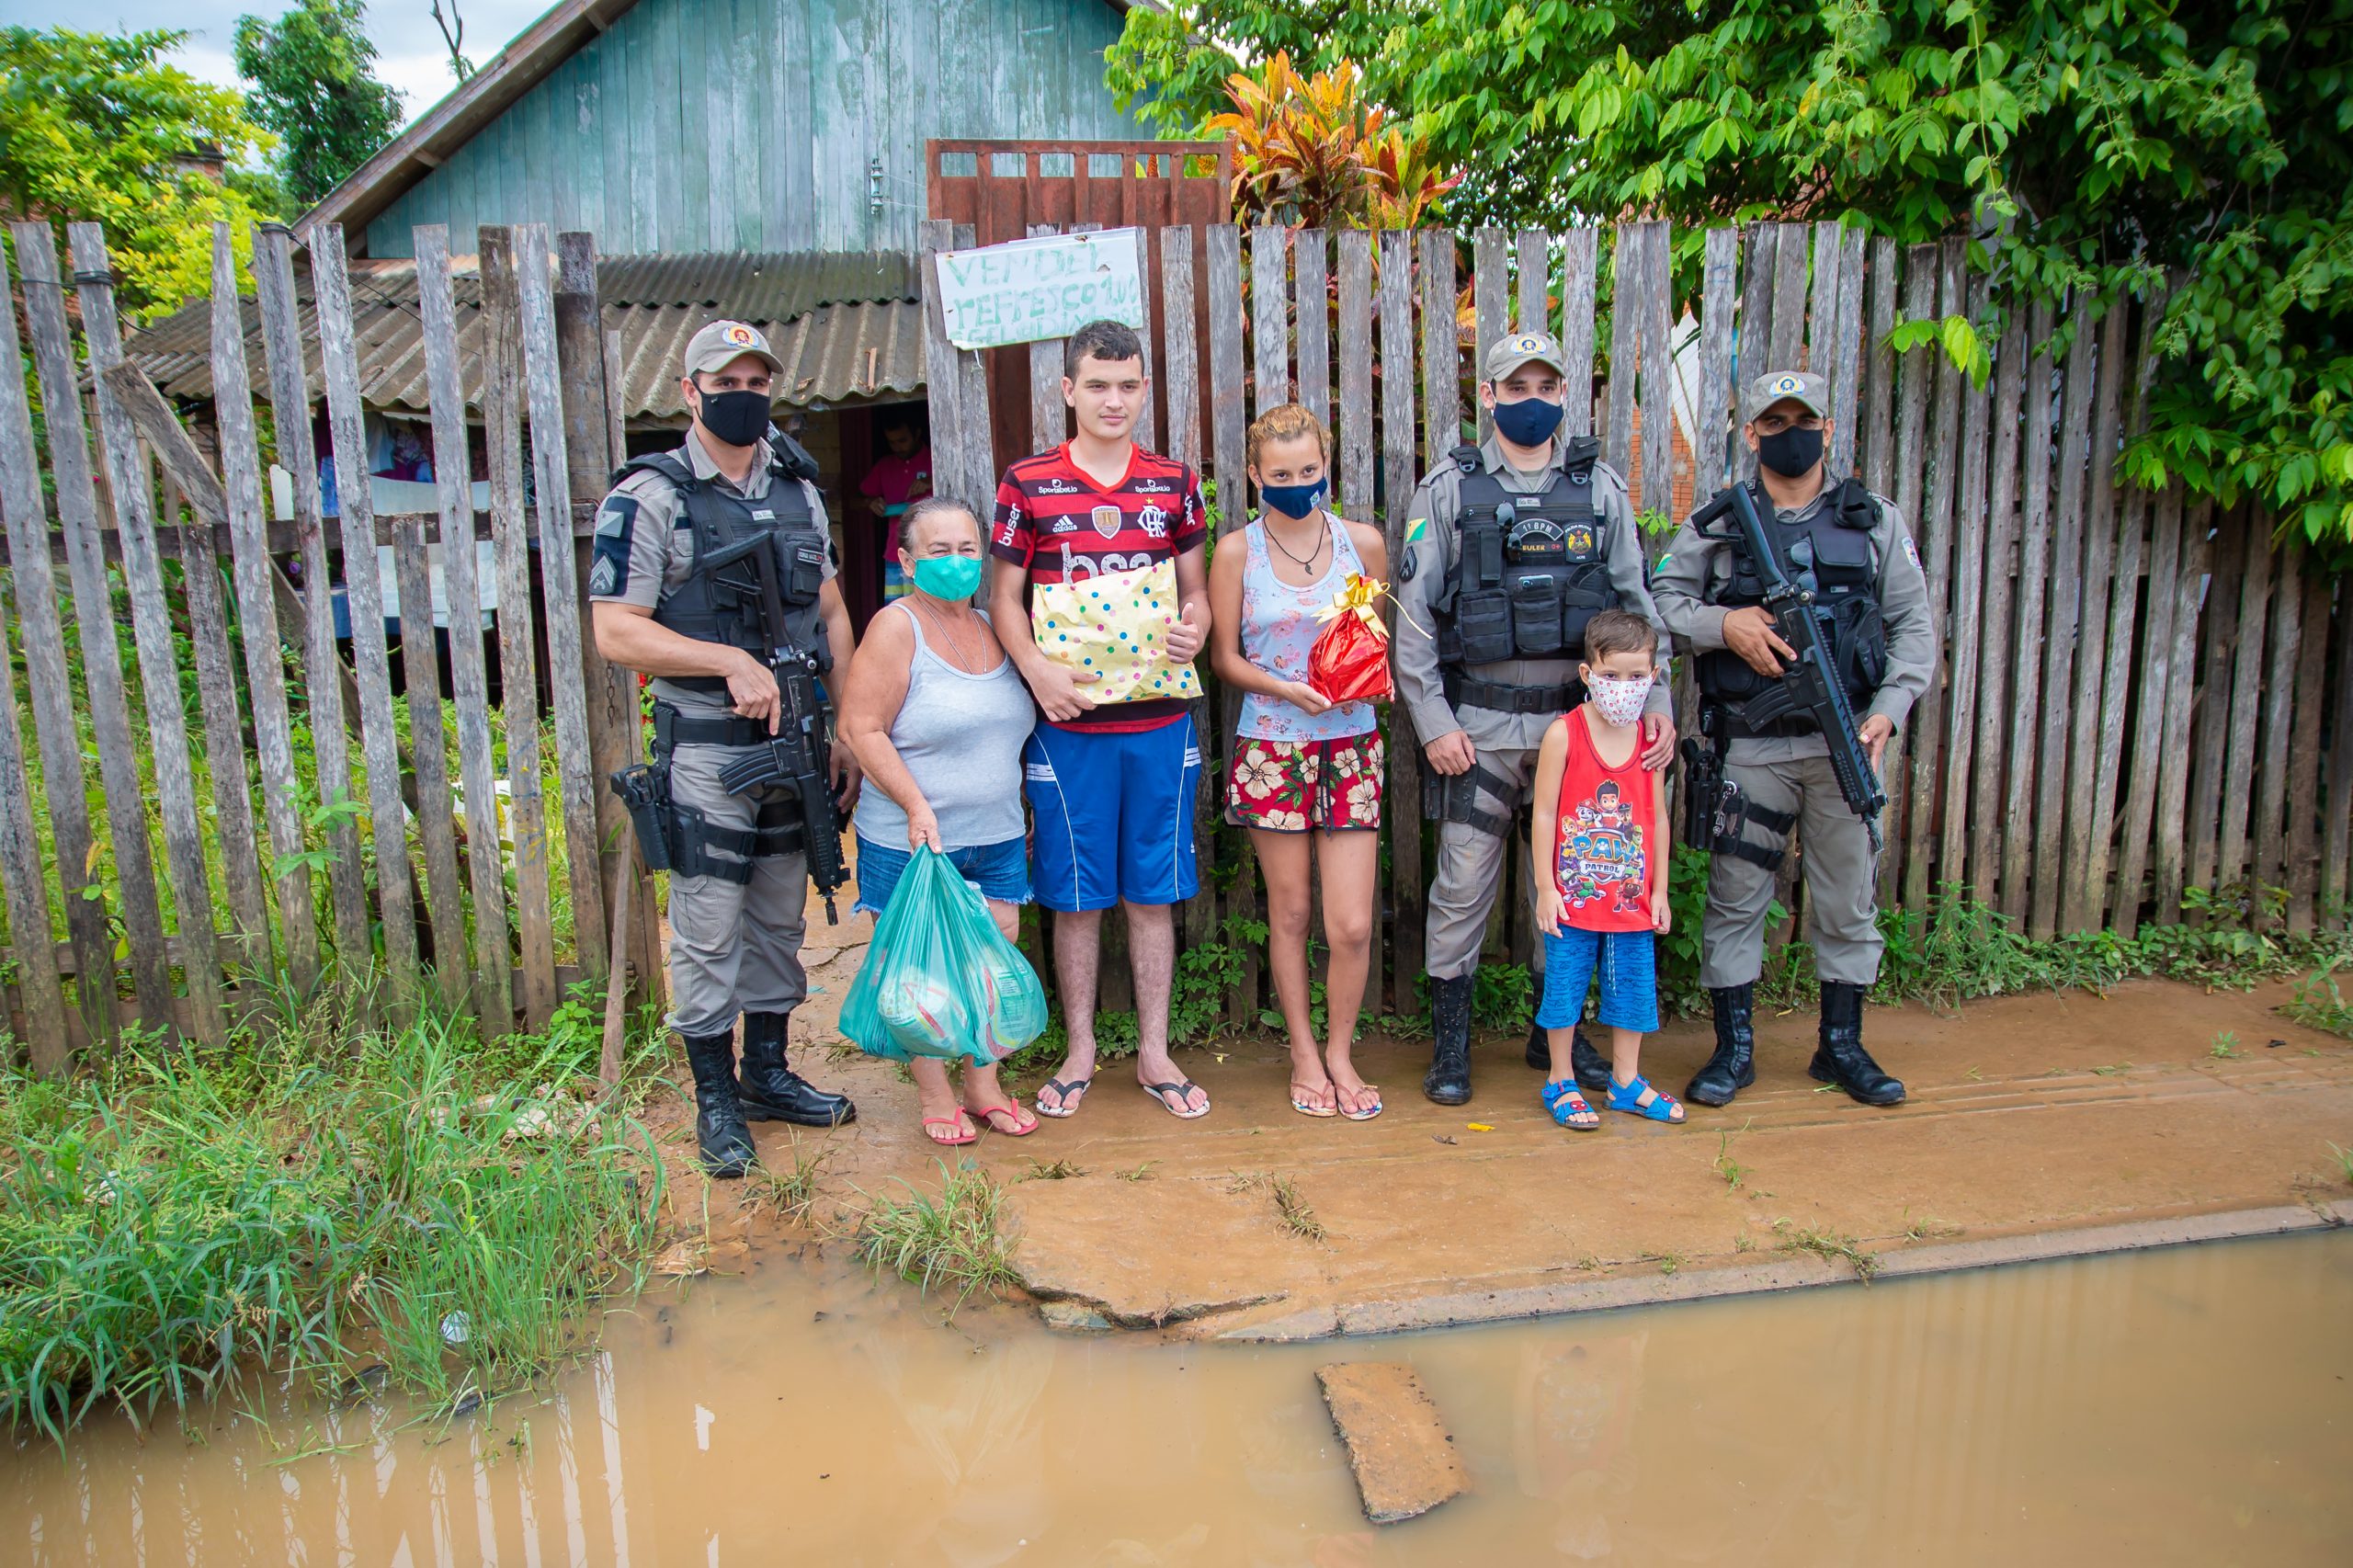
939, 980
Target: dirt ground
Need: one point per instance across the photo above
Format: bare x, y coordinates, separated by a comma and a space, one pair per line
2036, 1124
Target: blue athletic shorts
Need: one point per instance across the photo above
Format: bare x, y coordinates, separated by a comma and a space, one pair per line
1000, 870
1628, 964
1113, 815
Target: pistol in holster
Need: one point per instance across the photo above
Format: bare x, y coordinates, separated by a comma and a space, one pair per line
645, 792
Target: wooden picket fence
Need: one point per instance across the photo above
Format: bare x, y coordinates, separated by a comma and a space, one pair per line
2139, 695
402, 887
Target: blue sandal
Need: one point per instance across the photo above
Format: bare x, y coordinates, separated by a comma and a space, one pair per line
1562, 1100
1627, 1097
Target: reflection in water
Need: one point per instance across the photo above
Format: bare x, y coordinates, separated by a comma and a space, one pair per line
2189, 1406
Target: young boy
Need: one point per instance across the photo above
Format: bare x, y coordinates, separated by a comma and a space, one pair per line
1601, 849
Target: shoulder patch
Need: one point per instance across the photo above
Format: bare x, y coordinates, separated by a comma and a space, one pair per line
1912, 554
615, 526
1408, 563
616, 516
1416, 530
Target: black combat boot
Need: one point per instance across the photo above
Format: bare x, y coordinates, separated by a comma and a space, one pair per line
1449, 1081
1591, 1070
773, 1091
1841, 1059
1734, 1066
719, 1133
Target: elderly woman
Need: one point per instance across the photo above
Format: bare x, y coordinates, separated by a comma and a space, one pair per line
937, 716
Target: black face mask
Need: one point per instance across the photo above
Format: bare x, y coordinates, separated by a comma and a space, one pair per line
1791, 452
738, 418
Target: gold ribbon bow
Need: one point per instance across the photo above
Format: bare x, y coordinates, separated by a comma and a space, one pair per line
1358, 594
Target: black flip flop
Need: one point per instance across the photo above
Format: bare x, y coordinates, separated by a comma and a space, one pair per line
1069, 1107
1181, 1089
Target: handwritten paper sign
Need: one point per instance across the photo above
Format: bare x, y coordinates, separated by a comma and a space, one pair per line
1049, 287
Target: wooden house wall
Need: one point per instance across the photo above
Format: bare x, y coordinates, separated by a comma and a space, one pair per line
721, 125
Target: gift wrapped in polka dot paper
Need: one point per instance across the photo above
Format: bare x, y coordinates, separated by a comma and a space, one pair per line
1115, 627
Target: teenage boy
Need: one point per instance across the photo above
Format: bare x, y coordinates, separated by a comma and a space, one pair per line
1112, 785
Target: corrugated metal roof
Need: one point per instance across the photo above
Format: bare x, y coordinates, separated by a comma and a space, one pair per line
847, 326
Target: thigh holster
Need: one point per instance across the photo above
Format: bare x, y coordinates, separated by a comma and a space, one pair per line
1734, 811
1456, 798
693, 835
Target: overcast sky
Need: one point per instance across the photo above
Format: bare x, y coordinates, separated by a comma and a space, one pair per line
410, 54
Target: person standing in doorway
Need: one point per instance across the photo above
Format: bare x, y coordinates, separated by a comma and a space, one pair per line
1306, 771
1510, 549
1850, 549
898, 480
1112, 785
739, 877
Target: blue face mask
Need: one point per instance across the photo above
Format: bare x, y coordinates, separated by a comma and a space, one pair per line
949, 576
1527, 423
1294, 500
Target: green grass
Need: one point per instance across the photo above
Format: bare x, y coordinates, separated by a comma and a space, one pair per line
2226, 1047
315, 1196
1828, 1244
950, 1242
2344, 1159
2319, 1003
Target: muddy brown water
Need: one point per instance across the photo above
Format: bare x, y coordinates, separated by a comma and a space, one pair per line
2185, 1406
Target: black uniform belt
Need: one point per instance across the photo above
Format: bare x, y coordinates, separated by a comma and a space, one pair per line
672, 728
1497, 697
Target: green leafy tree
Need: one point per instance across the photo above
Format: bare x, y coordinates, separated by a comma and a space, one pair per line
314, 84
2106, 146
94, 127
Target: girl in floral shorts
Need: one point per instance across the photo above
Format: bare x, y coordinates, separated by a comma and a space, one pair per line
1306, 772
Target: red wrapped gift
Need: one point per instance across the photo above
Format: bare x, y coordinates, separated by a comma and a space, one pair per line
1350, 660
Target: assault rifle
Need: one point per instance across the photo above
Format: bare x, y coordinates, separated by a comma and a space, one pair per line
798, 757
1810, 683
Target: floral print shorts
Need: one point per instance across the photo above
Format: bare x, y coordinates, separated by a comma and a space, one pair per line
1295, 786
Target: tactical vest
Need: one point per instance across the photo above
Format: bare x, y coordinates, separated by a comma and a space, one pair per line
1531, 569
719, 600
1828, 551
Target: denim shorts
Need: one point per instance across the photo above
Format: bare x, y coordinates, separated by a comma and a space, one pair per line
1628, 964
1000, 870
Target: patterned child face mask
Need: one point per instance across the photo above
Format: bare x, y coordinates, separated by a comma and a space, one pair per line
1620, 698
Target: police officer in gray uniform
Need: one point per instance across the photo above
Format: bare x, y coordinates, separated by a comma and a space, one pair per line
1850, 547
1508, 550
739, 880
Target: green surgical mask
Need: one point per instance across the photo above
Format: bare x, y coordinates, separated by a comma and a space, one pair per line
949, 576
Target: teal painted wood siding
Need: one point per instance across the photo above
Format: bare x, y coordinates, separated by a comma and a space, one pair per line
717, 125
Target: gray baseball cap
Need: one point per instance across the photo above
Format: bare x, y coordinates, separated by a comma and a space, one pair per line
1512, 350
1778, 386
722, 343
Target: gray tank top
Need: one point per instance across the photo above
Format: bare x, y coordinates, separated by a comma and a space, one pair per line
960, 736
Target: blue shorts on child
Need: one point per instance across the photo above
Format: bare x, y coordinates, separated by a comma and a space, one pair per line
1627, 963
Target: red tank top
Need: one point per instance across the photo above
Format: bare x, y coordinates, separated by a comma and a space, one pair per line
1606, 833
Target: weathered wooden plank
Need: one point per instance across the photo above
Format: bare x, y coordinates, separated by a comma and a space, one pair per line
502, 399
2034, 566
1963, 678
1441, 350
1821, 302
2337, 851
1580, 253
77, 513
1790, 274
1402, 806
1753, 335
950, 426
1227, 421
130, 490
2087, 875
1940, 547
1655, 305
2131, 509
1180, 365
1713, 421
617, 432
1532, 250
1846, 349
1489, 303
2152, 683
1269, 318
2000, 645
2303, 836
42, 640
1625, 347
2063, 628
290, 407
2267, 832
20, 873
1874, 425
2233, 538
241, 506
339, 369
1049, 415
972, 395
468, 676
2177, 742
429, 743
1918, 374
560, 575
1146, 418
2248, 661
1310, 267
1356, 484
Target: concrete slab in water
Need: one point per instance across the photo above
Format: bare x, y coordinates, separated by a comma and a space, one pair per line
1404, 1463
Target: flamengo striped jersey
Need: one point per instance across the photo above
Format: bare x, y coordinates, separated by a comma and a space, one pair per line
1057, 524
